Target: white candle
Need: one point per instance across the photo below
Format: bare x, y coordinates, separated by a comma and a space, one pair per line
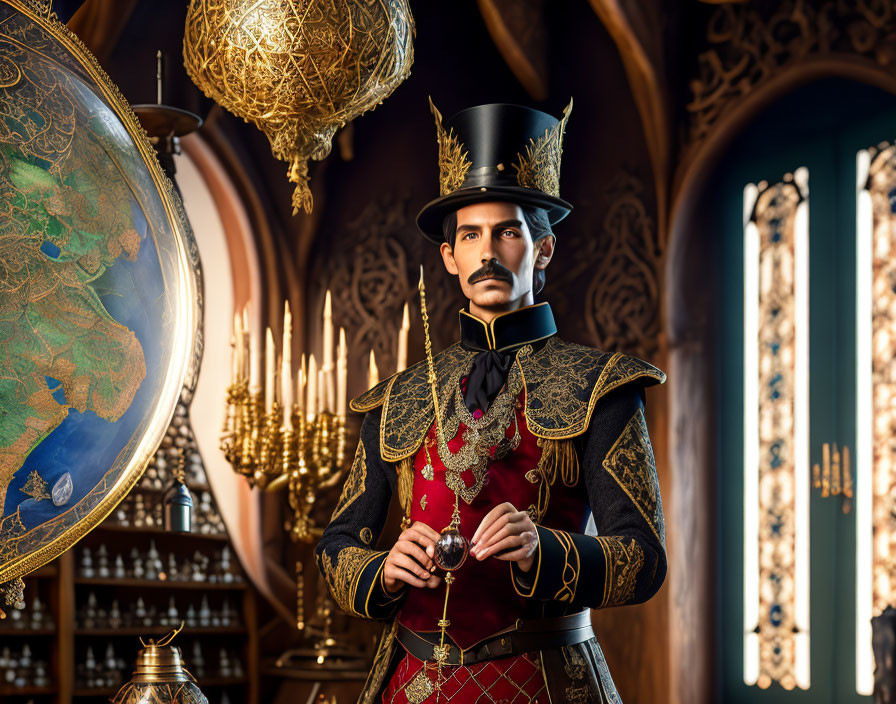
341, 373
373, 374
300, 385
244, 328
327, 386
234, 350
402, 357
255, 364
269, 370
311, 402
286, 368
321, 391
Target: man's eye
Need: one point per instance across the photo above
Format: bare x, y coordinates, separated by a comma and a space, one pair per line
510, 233
468, 235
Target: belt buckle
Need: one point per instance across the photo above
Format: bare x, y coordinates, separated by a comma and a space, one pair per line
440, 653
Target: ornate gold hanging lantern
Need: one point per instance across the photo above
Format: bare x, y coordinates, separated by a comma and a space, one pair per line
298, 69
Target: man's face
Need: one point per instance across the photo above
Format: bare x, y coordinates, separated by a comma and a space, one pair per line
494, 256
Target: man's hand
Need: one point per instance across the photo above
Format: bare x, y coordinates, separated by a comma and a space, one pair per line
410, 559
507, 534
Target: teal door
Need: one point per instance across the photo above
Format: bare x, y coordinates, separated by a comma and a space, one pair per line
807, 130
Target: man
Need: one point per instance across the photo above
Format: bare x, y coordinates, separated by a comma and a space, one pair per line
534, 436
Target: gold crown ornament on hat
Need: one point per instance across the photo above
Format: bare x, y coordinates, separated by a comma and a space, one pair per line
497, 151
298, 70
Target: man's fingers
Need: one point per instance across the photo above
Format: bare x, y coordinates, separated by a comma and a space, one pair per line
405, 562
511, 541
426, 531
509, 520
407, 547
497, 511
397, 574
433, 581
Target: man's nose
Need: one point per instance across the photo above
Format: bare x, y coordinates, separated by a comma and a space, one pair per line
486, 251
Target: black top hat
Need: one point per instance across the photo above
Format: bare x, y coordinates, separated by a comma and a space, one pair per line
497, 152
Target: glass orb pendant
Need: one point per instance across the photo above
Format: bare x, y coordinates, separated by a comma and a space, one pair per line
451, 551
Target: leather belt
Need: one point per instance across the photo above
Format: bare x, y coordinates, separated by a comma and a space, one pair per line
522, 637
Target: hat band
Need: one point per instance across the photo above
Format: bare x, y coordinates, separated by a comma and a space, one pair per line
489, 176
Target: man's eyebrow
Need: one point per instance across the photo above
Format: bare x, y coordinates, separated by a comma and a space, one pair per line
507, 223
468, 227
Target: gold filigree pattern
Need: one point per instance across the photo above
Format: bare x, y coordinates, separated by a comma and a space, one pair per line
453, 161
35, 487
354, 484
419, 688
564, 381
343, 577
407, 408
631, 463
624, 559
423, 502
298, 71
480, 436
380, 665
366, 535
571, 564
538, 167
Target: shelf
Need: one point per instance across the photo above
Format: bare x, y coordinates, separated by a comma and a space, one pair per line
152, 630
10, 632
161, 584
7, 691
216, 537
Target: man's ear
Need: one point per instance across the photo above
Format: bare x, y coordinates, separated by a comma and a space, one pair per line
544, 251
448, 258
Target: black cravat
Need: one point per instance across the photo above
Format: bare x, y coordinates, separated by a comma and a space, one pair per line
487, 378
497, 344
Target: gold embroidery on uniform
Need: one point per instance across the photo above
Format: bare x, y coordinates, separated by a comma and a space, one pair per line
538, 167
453, 161
489, 431
419, 688
405, 471
423, 502
366, 535
564, 381
558, 458
380, 664
631, 463
574, 664
624, 559
576, 694
571, 564
407, 408
354, 483
343, 578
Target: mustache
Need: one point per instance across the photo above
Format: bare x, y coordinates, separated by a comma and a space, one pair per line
492, 269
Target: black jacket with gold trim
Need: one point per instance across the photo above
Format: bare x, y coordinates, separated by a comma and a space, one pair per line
578, 400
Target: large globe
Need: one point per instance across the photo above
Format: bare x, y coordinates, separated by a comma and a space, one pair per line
98, 306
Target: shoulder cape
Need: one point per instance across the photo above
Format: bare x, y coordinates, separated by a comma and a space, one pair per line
563, 382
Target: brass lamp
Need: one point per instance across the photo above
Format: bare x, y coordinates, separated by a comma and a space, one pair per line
160, 677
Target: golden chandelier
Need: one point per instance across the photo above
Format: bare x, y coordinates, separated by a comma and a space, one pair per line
298, 69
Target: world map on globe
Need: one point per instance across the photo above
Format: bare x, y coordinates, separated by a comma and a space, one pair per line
96, 309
